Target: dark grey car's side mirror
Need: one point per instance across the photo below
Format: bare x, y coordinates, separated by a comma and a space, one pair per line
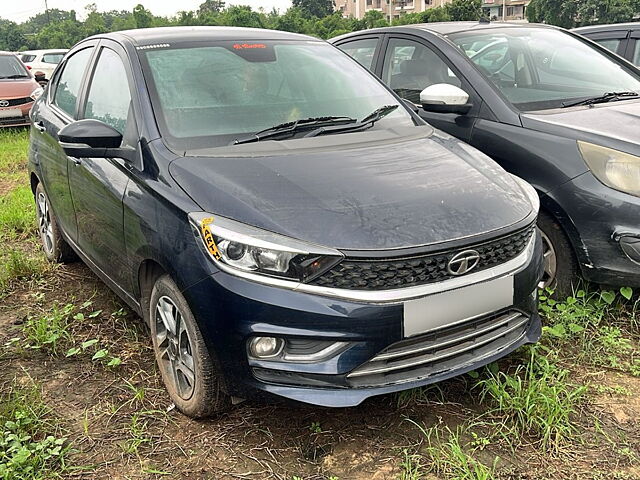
445, 98
93, 138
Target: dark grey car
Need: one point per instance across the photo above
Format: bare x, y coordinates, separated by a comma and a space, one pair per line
620, 38
549, 106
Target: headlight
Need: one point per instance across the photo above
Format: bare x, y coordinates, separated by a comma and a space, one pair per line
616, 169
36, 93
239, 248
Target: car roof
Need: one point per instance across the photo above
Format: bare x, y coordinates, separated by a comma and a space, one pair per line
145, 36
447, 28
2, 52
609, 27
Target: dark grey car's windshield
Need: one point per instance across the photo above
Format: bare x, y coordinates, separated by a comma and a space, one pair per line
542, 68
11, 67
208, 95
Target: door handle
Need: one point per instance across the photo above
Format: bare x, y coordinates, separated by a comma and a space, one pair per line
40, 127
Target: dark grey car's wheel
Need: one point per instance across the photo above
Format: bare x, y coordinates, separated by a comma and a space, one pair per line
55, 247
560, 266
188, 370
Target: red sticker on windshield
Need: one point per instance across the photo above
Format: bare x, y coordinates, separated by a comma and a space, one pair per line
242, 46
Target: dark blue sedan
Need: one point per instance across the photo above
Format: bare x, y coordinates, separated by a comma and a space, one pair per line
281, 219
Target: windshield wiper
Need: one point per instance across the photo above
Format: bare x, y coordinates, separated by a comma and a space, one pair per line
364, 124
604, 98
290, 128
14, 76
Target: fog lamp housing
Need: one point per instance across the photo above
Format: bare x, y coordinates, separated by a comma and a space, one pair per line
265, 347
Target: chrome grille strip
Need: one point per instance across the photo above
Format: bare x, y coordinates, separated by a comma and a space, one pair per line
498, 322
411, 363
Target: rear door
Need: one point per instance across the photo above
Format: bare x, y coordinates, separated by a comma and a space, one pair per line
364, 49
98, 184
58, 110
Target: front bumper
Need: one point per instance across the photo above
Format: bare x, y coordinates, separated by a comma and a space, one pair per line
231, 310
604, 227
18, 120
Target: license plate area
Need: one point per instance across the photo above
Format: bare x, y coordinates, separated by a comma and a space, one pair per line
10, 113
448, 308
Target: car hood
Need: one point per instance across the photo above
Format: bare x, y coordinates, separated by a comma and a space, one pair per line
608, 124
386, 195
17, 88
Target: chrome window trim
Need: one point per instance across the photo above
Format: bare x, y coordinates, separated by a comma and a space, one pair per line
398, 295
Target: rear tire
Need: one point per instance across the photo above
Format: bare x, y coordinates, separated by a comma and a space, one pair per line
190, 374
561, 273
55, 247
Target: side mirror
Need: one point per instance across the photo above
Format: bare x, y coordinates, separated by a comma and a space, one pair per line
445, 98
39, 76
93, 138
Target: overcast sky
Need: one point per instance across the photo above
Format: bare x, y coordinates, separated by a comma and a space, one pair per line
21, 10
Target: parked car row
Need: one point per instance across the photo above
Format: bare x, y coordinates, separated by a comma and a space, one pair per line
291, 225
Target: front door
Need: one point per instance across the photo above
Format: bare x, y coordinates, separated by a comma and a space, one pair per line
51, 116
98, 184
409, 67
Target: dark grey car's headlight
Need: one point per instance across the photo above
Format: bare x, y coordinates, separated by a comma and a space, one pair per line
239, 248
616, 169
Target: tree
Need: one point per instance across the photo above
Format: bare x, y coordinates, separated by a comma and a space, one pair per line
11, 37
605, 11
374, 19
563, 13
315, 8
294, 20
461, 10
142, 16
210, 7
241, 16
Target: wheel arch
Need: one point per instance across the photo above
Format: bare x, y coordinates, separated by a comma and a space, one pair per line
148, 273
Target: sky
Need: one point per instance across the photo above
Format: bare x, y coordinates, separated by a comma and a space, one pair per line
19, 11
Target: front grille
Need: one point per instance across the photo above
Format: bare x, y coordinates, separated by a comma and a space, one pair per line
390, 273
14, 102
7, 122
449, 348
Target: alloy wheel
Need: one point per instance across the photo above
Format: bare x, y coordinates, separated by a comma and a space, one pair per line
44, 223
174, 347
550, 262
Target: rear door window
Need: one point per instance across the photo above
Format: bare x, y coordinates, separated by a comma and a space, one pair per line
70, 81
52, 58
27, 58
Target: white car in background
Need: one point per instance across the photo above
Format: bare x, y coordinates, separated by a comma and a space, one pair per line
42, 60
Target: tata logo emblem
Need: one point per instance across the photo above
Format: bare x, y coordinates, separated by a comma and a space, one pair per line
4, 103
463, 262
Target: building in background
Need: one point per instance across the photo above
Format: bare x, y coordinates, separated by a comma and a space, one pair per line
507, 10
391, 9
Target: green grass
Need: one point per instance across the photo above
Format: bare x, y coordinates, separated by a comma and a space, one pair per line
49, 332
17, 213
17, 265
536, 400
31, 447
14, 144
447, 454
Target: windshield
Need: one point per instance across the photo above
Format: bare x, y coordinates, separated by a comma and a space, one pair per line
11, 67
542, 68
209, 95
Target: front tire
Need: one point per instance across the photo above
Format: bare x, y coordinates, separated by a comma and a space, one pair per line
189, 372
561, 272
56, 249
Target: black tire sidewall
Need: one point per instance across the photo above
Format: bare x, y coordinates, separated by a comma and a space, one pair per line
567, 272
207, 397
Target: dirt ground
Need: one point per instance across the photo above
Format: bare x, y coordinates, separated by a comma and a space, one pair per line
106, 411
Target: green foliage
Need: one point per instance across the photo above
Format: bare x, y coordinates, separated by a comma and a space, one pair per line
30, 447
583, 326
461, 10
450, 456
569, 14
16, 264
536, 400
47, 332
315, 8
